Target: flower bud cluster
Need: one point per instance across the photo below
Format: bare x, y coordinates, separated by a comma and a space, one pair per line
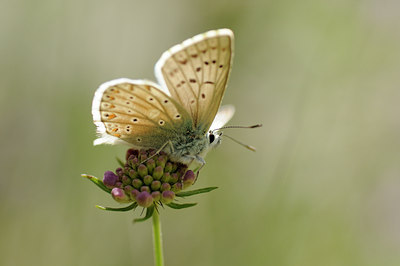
147, 178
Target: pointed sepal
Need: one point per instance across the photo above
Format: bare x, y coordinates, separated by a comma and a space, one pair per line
97, 182
120, 162
124, 209
183, 194
174, 205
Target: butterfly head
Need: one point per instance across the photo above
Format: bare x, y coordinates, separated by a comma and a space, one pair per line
214, 138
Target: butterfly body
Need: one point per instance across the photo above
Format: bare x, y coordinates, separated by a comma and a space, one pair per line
190, 143
178, 115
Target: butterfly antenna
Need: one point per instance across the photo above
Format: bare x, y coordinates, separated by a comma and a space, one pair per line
240, 143
253, 126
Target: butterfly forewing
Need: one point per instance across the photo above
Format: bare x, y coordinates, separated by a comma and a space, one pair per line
196, 73
137, 112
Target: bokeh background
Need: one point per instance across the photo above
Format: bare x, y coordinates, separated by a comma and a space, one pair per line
323, 187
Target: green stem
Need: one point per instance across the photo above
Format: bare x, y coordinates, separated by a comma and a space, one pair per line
157, 240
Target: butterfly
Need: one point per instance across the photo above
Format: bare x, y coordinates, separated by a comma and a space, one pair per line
180, 115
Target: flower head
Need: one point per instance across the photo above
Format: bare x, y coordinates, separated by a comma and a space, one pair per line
154, 176
148, 179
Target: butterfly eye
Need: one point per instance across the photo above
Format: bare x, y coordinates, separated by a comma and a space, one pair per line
211, 138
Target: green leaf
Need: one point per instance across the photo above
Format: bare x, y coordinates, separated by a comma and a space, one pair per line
120, 162
174, 205
149, 213
194, 192
124, 209
97, 181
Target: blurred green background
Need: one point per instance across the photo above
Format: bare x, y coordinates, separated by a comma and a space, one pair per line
323, 187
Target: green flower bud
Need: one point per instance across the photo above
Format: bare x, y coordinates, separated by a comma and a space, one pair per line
176, 187
145, 188
167, 196
128, 189
127, 169
181, 173
188, 179
174, 167
168, 167
133, 162
156, 195
144, 199
165, 186
155, 185
142, 170
133, 194
161, 161
166, 177
158, 172
152, 152
126, 180
174, 178
119, 172
143, 157
151, 164
119, 195
133, 174
148, 179
137, 183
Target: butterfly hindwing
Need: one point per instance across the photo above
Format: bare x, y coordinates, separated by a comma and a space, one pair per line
225, 113
137, 112
196, 73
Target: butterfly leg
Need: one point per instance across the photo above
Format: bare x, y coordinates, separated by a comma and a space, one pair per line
202, 162
160, 149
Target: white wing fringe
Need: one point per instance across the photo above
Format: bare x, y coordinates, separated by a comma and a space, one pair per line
225, 113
